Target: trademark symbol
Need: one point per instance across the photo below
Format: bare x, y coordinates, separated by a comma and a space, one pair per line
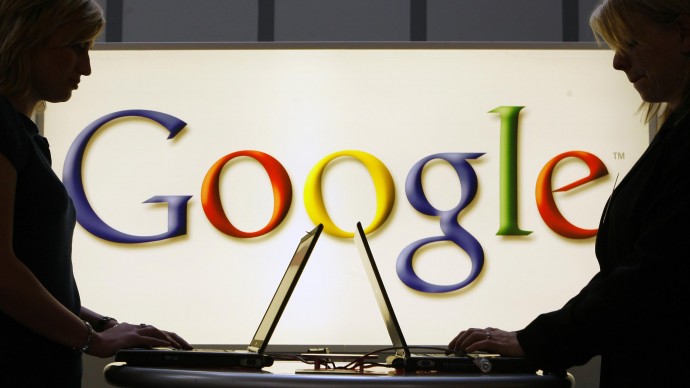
619, 155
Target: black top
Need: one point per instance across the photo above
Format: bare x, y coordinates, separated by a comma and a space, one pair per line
44, 220
634, 310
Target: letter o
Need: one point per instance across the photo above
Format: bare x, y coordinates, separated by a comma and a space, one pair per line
213, 207
383, 184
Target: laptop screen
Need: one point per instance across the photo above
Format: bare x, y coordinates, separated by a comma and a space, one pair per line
380, 293
284, 290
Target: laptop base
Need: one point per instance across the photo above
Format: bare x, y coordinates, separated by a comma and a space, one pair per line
471, 364
193, 359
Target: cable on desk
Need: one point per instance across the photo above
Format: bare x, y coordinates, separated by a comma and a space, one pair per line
359, 362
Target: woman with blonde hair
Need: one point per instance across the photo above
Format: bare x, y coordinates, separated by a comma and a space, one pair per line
44, 329
632, 313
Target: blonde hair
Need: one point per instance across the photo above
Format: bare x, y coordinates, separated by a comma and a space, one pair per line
613, 22
25, 24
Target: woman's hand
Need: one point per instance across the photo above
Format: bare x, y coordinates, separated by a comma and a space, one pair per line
489, 340
125, 335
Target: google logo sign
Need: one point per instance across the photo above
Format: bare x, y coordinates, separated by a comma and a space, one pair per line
384, 188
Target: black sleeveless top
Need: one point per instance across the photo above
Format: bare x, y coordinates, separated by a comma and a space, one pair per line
44, 220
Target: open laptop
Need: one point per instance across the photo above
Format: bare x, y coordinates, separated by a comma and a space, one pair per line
406, 360
254, 356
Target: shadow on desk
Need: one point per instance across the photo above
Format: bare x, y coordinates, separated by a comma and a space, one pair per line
586, 376
282, 374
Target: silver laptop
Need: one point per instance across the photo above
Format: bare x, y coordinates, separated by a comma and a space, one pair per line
254, 356
404, 359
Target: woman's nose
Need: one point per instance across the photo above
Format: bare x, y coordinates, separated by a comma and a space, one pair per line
84, 64
620, 60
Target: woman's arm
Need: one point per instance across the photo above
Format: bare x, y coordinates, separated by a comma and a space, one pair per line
22, 296
24, 299
98, 322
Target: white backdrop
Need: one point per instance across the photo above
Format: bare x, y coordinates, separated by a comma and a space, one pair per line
301, 105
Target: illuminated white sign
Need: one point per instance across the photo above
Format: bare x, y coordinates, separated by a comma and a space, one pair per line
395, 138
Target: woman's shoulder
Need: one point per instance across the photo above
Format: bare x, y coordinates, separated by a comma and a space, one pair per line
13, 137
676, 133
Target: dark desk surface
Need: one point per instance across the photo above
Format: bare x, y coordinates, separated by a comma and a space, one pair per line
283, 374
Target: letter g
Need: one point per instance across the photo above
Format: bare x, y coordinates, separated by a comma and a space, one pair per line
452, 231
87, 217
